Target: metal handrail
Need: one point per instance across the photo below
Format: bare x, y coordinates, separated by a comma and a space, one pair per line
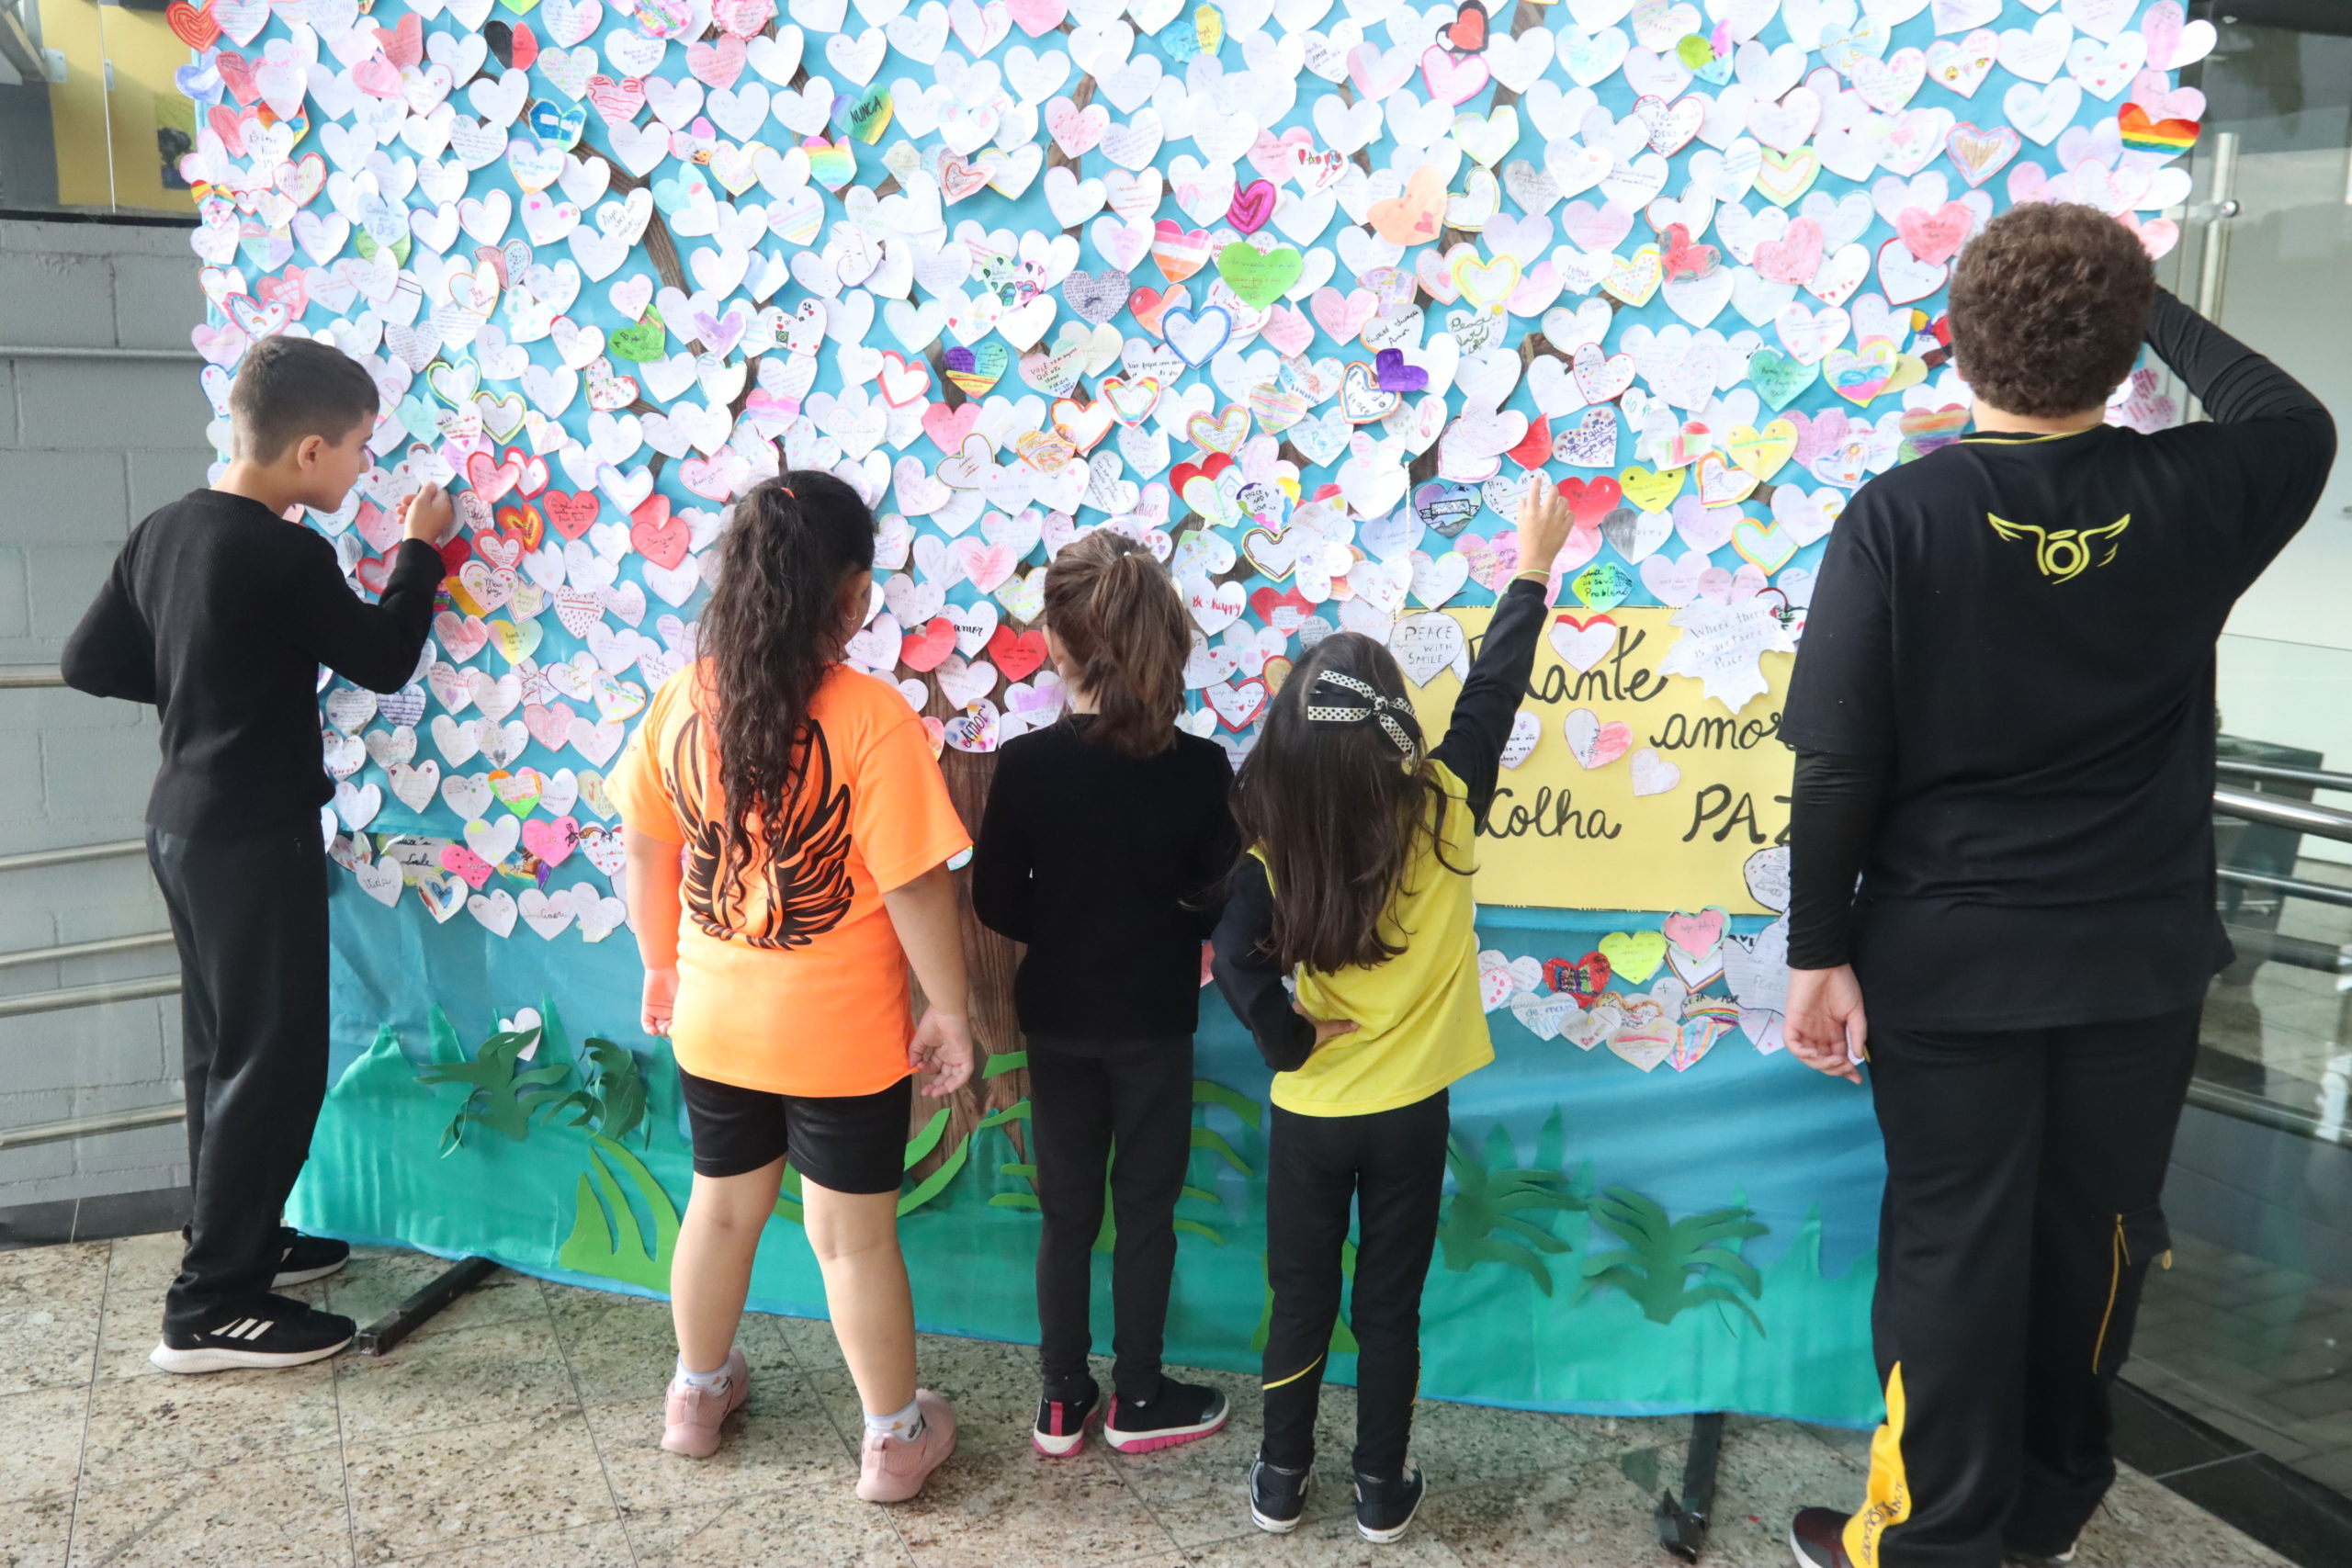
2291, 887
2273, 772
66, 351
2283, 811
25, 677
99, 995
100, 948
73, 855
34, 1132
2208, 1095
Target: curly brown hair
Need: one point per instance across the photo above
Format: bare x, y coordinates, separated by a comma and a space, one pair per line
2048, 308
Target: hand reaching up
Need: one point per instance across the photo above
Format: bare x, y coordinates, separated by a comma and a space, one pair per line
1544, 525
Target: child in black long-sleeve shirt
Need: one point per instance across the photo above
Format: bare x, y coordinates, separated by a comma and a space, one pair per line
1104, 843
220, 611
1357, 881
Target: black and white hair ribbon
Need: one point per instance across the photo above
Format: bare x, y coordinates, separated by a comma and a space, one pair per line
1383, 710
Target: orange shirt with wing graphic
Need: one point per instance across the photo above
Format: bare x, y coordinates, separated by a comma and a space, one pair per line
794, 982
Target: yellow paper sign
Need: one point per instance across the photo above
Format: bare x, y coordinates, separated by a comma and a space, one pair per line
1641, 792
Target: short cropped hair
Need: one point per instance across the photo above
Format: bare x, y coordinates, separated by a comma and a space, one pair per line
2049, 305
288, 387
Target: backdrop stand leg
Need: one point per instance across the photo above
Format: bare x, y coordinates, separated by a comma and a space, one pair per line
413, 1314
1682, 1525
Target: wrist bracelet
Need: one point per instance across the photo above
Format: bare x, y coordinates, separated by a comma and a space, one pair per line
1535, 574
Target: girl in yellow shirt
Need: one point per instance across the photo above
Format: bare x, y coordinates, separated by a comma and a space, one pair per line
1356, 889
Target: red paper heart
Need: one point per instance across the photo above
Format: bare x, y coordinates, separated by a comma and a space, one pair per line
192, 25
1534, 448
926, 648
1209, 467
491, 479
526, 46
455, 554
571, 515
1584, 978
1590, 501
1017, 655
1468, 33
373, 571
659, 536
1266, 602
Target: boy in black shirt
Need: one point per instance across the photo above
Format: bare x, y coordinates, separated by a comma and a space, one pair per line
220, 611
2002, 712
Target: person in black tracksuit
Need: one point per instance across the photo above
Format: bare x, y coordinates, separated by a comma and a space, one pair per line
2002, 712
219, 612
1104, 843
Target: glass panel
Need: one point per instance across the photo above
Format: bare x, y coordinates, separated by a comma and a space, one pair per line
91, 119
2250, 1326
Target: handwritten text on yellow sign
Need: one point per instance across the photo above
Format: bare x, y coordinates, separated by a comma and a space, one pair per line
1640, 793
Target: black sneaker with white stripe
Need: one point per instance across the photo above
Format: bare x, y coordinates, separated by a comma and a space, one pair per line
275, 1331
300, 1259
307, 1257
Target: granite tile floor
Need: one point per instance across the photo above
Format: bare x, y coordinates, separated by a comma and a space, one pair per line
518, 1430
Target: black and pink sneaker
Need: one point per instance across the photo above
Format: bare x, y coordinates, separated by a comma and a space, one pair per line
1184, 1413
1061, 1424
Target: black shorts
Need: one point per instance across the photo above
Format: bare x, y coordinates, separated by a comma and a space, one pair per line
849, 1144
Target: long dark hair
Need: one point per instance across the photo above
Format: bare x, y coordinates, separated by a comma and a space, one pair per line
1335, 809
772, 630
1118, 614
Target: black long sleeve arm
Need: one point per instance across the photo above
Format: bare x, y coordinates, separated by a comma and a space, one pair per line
1832, 814
2275, 441
1480, 727
112, 653
1003, 895
1251, 979
2233, 381
373, 644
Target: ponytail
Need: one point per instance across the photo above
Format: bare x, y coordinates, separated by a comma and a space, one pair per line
771, 631
1116, 612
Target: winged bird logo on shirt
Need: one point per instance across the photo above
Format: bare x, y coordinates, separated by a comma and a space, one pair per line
2063, 554
781, 903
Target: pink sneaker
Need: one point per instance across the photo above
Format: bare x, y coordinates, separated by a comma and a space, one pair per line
891, 1470
691, 1419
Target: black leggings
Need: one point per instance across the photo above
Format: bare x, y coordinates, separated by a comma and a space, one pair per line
1080, 1106
1392, 1165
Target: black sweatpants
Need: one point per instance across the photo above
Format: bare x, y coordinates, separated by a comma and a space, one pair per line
1391, 1164
250, 916
1081, 1108
2023, 1173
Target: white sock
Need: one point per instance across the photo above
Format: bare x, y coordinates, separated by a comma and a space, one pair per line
904, 1425
709, 1382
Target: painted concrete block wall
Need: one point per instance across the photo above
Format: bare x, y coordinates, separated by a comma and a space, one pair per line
87, 447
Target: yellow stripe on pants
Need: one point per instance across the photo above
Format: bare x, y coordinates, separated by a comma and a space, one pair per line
1887, 1502
1279, 1382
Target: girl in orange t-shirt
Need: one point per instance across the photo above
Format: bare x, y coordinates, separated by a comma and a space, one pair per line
787, 833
